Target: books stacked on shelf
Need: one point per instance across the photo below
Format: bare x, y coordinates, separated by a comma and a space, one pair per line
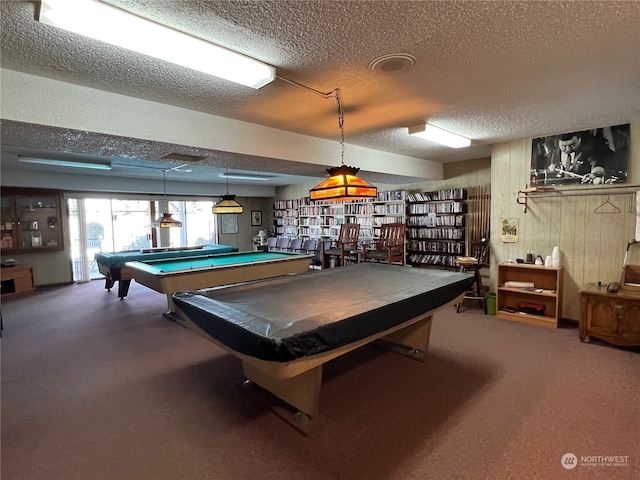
389, 196
444, 207
366, 234
318, 219
390, 208
379, 221
450, 248
361, 220
439, 195
436, 227
387, 208
358, 208
436, 221
286, 205
285, 217
424, 259
437, 233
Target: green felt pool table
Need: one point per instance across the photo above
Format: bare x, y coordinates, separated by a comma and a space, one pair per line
113, 265
192, 273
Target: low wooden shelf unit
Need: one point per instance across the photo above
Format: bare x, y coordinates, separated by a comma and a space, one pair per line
17, 279
546, 292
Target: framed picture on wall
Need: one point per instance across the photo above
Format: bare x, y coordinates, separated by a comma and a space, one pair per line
509, 230
229, 223
590, 157
256, 218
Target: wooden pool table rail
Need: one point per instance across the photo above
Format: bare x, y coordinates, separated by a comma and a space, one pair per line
181, 281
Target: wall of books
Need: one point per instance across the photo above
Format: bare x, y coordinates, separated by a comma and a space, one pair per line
436, 227
436, 221
285, 218
323, 220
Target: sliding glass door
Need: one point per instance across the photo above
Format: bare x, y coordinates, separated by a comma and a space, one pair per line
105, 225
115, 225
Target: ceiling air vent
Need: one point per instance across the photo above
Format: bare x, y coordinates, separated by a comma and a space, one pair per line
183, 157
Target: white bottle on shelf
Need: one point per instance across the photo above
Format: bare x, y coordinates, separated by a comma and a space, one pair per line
555, 257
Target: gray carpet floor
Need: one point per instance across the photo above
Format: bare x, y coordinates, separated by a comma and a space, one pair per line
99, 388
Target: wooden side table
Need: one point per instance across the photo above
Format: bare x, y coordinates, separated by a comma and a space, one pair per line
17, 279
610, 316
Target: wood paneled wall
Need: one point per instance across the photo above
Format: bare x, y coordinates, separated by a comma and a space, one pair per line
592, 245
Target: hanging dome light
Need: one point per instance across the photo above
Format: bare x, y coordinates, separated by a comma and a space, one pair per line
228, 203
166, 220
343, 183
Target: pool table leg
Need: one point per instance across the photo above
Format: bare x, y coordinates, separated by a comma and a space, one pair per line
415, 336
108, 284
172, 313
112, 275
123, 288
301, 391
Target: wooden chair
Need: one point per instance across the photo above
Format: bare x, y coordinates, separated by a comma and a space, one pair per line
389, 247
478, 259
316, 261
346, 243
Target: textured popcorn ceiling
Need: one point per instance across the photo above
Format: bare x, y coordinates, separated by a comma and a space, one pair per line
493, 71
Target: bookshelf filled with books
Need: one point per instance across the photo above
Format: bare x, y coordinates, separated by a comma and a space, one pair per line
389, 208
436, 227
285, 218
323, 220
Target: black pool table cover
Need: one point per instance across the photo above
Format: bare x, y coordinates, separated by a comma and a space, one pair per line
285, 318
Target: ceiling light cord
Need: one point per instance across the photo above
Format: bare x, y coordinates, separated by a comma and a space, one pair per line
308, 89
333, 93
340, 124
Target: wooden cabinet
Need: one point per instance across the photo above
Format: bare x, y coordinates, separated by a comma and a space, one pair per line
15, 280
516, 303
436, 227
30, 221
610, 316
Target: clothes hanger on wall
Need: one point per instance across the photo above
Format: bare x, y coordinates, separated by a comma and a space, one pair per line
607, 207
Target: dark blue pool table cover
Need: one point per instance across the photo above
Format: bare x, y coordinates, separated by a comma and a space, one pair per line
285, 318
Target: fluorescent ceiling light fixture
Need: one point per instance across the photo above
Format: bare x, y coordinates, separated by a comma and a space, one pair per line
115, 26
65, 163
242, 176
437, 135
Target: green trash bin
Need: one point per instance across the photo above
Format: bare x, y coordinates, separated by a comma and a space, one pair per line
491, 303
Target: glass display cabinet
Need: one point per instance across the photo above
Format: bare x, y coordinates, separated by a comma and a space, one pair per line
30, 221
